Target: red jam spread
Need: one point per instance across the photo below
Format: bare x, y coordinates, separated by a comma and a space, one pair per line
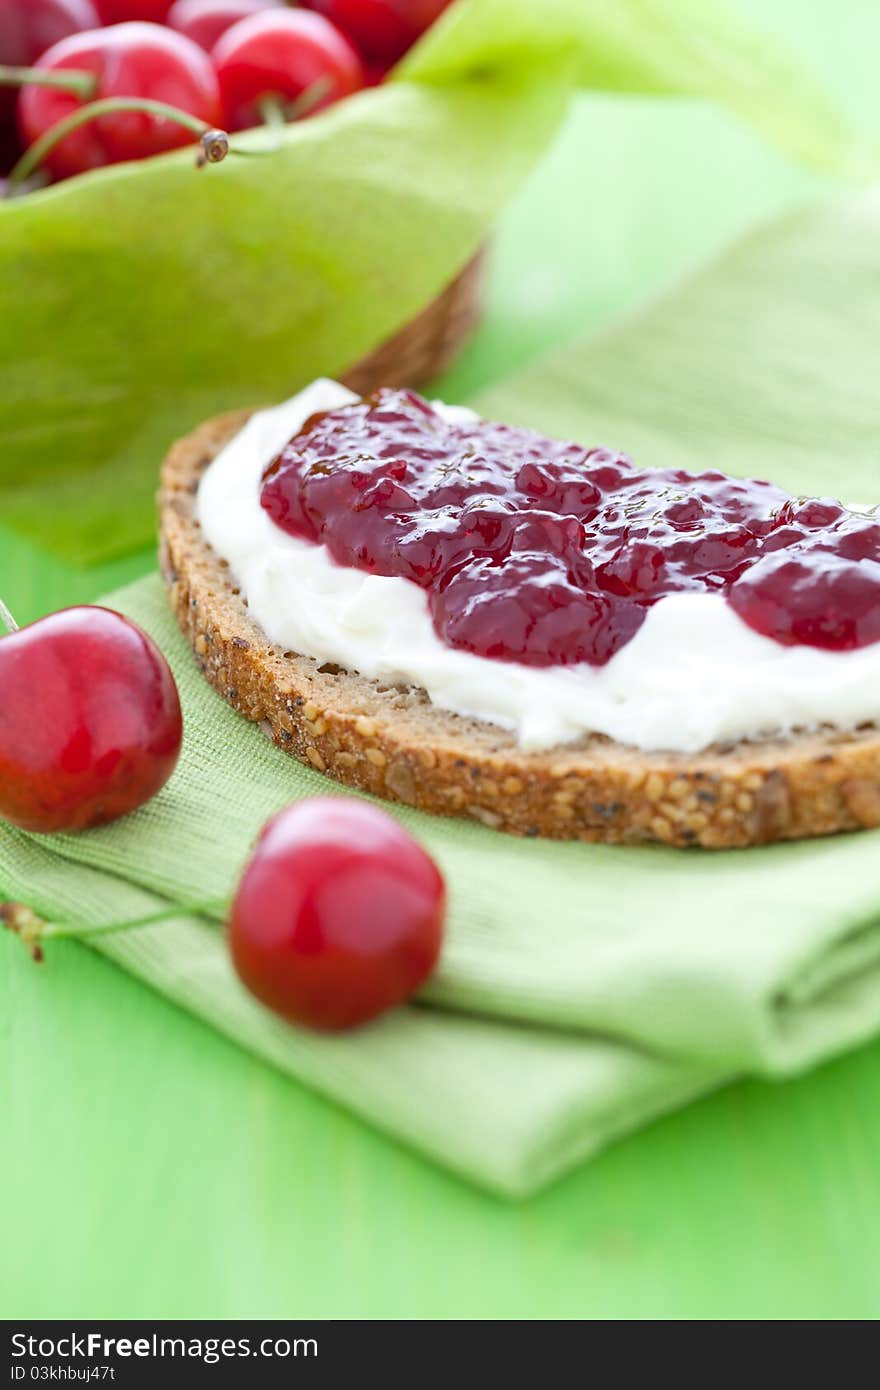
541, 552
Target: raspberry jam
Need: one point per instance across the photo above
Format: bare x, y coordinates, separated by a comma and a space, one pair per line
545, 553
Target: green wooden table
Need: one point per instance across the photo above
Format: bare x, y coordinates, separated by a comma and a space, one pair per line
150, 1169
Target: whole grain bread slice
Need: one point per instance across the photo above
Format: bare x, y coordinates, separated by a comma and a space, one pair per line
391, 741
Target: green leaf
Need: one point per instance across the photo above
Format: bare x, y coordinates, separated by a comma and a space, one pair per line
136, 301
697, 48
139, 299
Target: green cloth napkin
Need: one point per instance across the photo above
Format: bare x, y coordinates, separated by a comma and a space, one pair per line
583, 989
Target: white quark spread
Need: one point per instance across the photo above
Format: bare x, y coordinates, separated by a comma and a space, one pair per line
693, 674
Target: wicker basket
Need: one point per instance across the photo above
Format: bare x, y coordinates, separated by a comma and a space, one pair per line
425, 346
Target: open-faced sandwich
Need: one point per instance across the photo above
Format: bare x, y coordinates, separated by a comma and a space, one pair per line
476, 620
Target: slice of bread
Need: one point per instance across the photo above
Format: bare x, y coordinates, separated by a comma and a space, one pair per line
393, 742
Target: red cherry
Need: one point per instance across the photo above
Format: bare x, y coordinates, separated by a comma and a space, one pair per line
10, 149
120, 11
90, 722
204, 21
27, 29
338, 915
375, 73
382, 30
282, 54
128, 60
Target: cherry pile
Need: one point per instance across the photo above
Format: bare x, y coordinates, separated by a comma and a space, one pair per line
545, 553
229, 64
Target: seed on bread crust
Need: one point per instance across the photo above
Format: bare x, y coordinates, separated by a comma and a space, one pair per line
397, 745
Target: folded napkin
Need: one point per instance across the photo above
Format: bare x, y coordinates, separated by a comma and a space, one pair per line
583, 988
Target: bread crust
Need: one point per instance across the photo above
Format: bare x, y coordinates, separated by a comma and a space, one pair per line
393, 742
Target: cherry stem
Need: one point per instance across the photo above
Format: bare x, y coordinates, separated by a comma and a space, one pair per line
309, 98
211, 908
277, 113
34, 930
272, 114
81, 84
215, 143
7, 619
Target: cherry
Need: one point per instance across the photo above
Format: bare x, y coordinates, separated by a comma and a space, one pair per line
29, 27
90, 722
382, 30
338, 915
120, 11
204, 21
282, 56
10, 149
375, 73
127, 60
26, 31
